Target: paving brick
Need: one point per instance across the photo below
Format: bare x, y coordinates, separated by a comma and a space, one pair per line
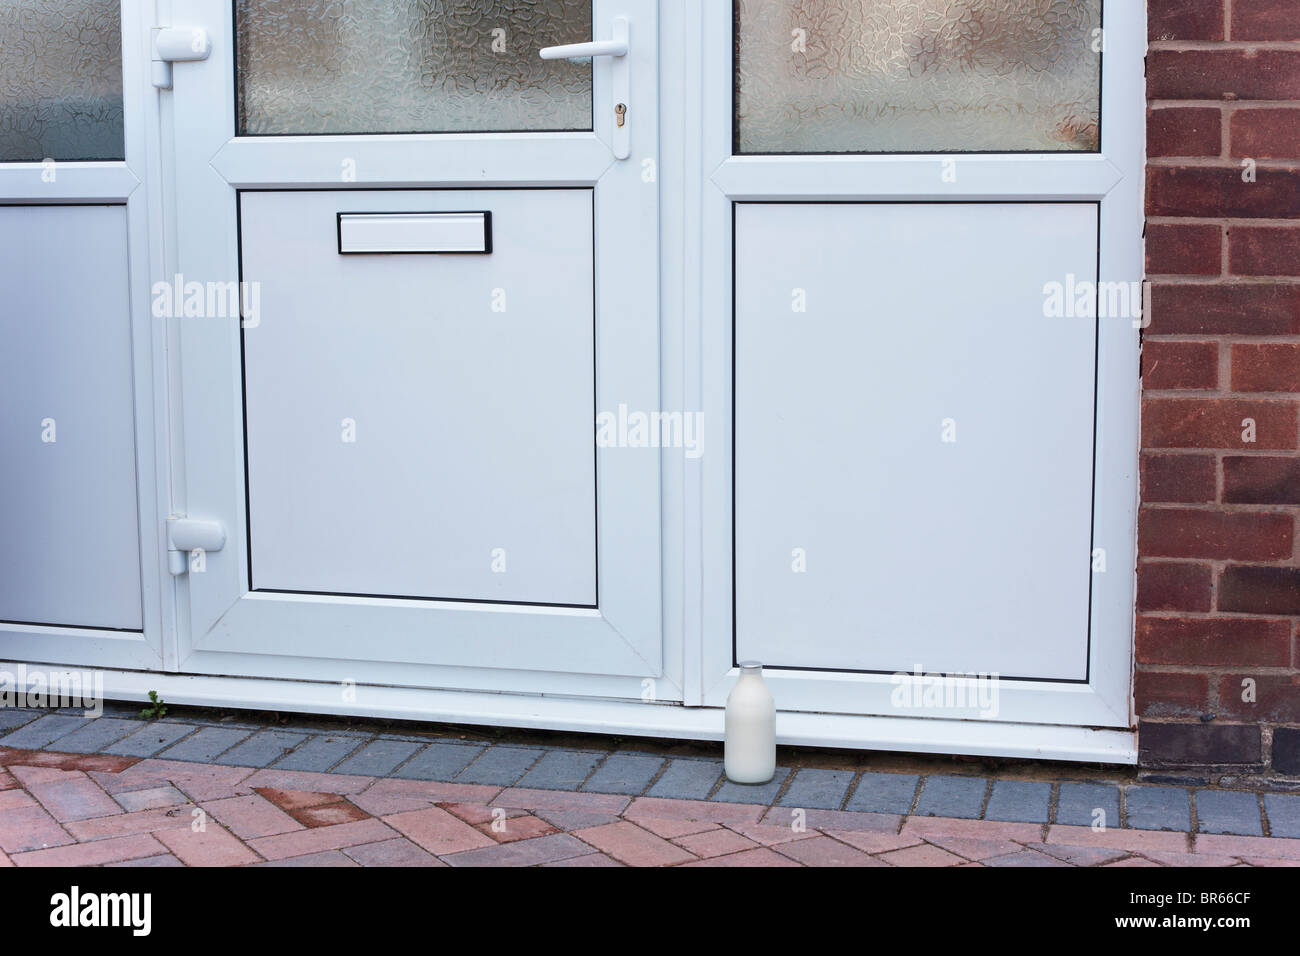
586, 860
95, 736
870, 842
823, 851
715, 842
43, 731
1228, 811
927, 828
251, 816
30, 828
921, 855
1135, 841
672, 829
748, 858
952, 797
198, 781
752, 793
261, 749
884, 793
302, 842
511, 829
150, 739
396, 852
559, 800
1077, 803
661, 809
211, 846
1024, 858
1080, 855
560, 770
320, 753
688, 780
972, 848
96, 853
817, 789
151, 799
501, 766
275, 778
13, 799
75, 799
1243, 847
1157, 808
205, 745
1019, 800
438, 761
161, 860
578, 819
837, 819
436, 830
396, 796
378, 758
329, 814
547, 849
11, 719
324, 858
126, 824
630, 844
1283, 814
628, 774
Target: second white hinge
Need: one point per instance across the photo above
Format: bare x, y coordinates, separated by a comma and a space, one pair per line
176, 45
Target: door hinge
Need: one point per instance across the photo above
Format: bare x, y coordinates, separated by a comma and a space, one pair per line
176, 45
190, 537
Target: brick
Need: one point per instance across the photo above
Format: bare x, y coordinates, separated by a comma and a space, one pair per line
150, 739
1173, 365
1259, 589
320, 753
586, 860
98, 734
1128, 840
211, 846
151, 799
1228, 811
396, 852
1218, 423
1286, 752
251, 816
1220, 191
747, 858
30, 828
818, 789
731, 792
870, 842
884, 793
1209, 744
1171, 694
560, 770
161, 860
329, 814
834, 819
510, 830
715, 842
688, 779
76, 799
1225, 74
1265, 133
15, 718
438, 761
1157, 808
1184, 131
437, 831
98, 853
578, 819
1277, 698
43, 731
1185, 249
1223, 642
928, 827
922, 855
945, 796
1266, 368
277, 779
500, 766
728, 813
261, 749
301, 842
378, 758
476, 814
197, 781
1187, 533
1265, 20
823, 851
323, 859
1264, 250
205, 745
1019, 800
1185, 20
1261, 480
634, 846
1229, 308
559, 800
628, 774
1178, 478
538, 852
1079, 855
1283, 812
1244, 846
395, 796
1024, 858
126, 824
1165, 586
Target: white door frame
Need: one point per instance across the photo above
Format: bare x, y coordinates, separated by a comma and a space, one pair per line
136, 184
1113, 179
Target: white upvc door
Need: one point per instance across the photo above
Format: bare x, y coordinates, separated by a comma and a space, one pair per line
927, 466
399, 445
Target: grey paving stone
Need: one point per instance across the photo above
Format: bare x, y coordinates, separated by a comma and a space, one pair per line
438, 761
1019, 801
884, 793
378, 758
1077, 803
627, 774
262, 749
687, 780
1157, 808
560, 770
1283, 814
499, 766
817, 789
318, 754
12, 718
943, 796
1228, 811
753, 792
150, 739
43, 731
98, 734
205, 745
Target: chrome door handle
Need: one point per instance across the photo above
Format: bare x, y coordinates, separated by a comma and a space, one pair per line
617, 47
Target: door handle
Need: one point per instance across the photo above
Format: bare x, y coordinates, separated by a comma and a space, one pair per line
617, 47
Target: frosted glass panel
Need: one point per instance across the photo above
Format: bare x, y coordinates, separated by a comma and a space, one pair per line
60, 80
831, 76
410, 66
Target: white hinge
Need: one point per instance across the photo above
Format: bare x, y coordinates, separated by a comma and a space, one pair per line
189, 537
177, 44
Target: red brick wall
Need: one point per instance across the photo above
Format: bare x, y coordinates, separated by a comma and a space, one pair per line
1218, 552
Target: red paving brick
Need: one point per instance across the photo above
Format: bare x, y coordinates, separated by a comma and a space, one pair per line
718, 842
211, 846
517, 828
398, 851
30, 828
329, 814
628, 843
98, 853
302, 842
759, 857
251, 816
823, 851
296, 799
438, 831
77, 798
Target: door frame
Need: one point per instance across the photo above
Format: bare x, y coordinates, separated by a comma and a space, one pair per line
1113, 179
